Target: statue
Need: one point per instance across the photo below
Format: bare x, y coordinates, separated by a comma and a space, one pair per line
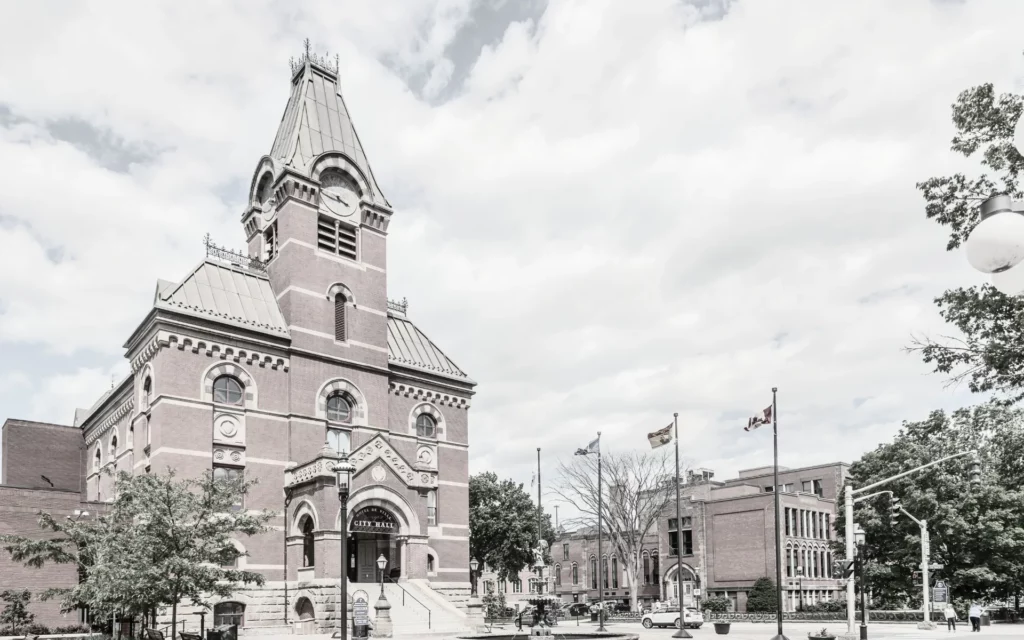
538, 553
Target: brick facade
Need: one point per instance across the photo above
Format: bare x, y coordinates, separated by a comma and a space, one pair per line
727, 540
308, 326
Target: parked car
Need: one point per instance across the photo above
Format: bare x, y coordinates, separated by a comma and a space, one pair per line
692, 618
577, 609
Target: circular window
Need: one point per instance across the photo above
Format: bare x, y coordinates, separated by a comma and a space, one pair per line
227, 390
425, 426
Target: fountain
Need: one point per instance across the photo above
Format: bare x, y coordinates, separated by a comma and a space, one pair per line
542, 602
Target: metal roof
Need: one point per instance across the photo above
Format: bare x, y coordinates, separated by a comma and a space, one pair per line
316, 121
226, 293
409, 346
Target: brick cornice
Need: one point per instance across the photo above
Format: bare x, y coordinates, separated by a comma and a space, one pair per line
419, 393
211, 348
112, 418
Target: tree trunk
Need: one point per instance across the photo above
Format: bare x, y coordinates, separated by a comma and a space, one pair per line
631, 580
174, 616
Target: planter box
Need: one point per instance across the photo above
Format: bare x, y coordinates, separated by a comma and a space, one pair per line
722, 628
811, 636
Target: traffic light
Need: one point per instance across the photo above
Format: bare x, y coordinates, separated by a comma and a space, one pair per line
895, 511
975, 472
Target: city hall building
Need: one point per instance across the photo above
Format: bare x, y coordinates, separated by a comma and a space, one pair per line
267, 363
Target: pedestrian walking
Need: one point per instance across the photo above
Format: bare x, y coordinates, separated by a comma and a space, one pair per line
950, 614
975, 615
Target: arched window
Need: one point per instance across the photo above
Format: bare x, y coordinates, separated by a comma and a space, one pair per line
226, 613
593, 572
647, 568
575, 573
656, 571
131, 436
432, 508
227, 390
340, 324
113, 446
604, 561
147, 392
430, 563
425, 426
339, 409
308, 552
558, 575
97, 459
615, 572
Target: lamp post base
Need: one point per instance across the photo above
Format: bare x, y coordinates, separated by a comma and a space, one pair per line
382, 628
863, 632
681, 632
779, 637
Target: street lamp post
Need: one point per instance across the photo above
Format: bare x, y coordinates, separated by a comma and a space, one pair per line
859, 536
382, 564
473, 565
996, 245
343, 474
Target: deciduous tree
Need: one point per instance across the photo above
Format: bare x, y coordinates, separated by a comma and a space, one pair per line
165, 540
977, 533
16, 612
988, 351
503, 527
762, 597
636, 487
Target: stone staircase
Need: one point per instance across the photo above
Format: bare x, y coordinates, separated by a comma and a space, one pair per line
410, 602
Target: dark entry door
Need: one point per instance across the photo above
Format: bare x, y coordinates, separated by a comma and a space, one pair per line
366, 560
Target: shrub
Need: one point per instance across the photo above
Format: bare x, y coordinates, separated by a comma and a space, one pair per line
494, 605
716, 605
72, 628
36, 630
16, 613
762, 597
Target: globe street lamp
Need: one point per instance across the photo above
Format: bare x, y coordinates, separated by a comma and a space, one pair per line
473, 565
343, 473
996, 245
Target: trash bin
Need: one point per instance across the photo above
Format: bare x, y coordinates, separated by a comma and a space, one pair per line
213, 634
986, 619
593, 616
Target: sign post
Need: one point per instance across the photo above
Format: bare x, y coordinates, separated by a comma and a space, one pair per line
939, 592
361, 613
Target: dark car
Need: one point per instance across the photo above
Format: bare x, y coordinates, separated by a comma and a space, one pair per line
577, 609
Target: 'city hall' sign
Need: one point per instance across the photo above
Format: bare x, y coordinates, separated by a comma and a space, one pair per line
374, 520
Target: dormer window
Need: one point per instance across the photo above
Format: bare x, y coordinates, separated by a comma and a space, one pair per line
113, 446
97, 459
147, 392
227, 390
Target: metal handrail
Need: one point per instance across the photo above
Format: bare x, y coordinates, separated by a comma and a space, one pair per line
404, 593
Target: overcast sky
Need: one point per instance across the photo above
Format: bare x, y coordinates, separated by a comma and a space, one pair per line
605, 211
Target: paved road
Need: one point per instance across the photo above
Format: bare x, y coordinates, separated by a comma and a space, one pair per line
799, 631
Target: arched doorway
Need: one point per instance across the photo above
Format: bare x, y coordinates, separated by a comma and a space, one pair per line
307, 616
373, 533
672, 586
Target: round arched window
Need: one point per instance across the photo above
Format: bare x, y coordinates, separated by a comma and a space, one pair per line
227, 390
425, 426
338, 409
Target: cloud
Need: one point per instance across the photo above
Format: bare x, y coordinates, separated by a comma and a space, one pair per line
606, 212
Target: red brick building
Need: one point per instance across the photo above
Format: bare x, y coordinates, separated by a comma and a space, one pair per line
268, 364
726, 540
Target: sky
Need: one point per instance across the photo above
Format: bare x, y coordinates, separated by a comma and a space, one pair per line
605, 211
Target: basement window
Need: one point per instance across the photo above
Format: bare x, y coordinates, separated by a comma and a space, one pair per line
337, 238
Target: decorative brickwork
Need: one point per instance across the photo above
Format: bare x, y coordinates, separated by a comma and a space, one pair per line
419, 393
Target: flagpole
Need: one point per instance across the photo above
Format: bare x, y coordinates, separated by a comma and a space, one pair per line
778, 542
681, 632
600, 540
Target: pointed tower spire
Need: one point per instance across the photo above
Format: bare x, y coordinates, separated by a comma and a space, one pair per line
316, 121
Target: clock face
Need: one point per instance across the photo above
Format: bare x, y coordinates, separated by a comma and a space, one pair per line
336, 195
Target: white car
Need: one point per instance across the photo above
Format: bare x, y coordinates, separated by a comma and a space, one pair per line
692, 618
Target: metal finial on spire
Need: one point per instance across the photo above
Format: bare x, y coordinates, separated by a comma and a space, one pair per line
306, 46
308, 56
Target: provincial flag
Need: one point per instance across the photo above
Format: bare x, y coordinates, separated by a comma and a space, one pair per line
593, 447
660, 437
757, 421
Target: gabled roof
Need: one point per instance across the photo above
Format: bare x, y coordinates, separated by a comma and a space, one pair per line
410, 347
226, 293
316, 121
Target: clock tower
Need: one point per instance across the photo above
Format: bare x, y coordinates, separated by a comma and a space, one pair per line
319, 220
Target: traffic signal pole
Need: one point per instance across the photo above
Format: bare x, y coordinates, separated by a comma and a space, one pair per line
926, 621
848, 500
